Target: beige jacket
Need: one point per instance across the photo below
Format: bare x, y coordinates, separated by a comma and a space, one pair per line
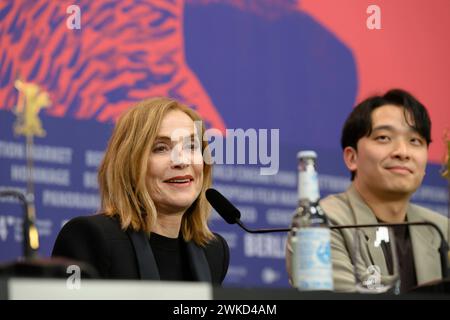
349, 208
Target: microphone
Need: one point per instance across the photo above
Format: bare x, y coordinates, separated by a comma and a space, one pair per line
30, 232
32, 265
232, 215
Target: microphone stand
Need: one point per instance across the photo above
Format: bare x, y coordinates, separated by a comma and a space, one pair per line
232, 215
30, 232
443, 248
239, 222
31, 265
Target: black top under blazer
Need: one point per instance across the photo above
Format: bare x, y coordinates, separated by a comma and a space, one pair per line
116, 254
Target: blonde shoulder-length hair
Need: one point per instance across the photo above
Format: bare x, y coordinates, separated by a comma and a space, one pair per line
122, 173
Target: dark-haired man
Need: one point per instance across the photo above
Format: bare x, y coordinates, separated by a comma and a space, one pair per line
385, 146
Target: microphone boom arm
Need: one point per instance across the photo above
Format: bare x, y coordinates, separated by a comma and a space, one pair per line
443, 248
232, 215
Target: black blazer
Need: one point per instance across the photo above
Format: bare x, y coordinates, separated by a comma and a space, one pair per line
116, 254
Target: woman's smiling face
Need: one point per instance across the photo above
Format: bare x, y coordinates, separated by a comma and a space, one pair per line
175, 165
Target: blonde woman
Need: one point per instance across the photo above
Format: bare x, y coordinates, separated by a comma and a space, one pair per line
153, 219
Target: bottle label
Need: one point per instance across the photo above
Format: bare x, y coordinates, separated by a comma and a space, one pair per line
308, 185
312, 266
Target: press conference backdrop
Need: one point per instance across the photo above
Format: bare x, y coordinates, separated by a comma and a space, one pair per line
296, 66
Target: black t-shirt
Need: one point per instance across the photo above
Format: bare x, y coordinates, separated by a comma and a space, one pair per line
171, 258
407, 269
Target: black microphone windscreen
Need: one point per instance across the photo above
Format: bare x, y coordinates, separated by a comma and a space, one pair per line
223, 207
